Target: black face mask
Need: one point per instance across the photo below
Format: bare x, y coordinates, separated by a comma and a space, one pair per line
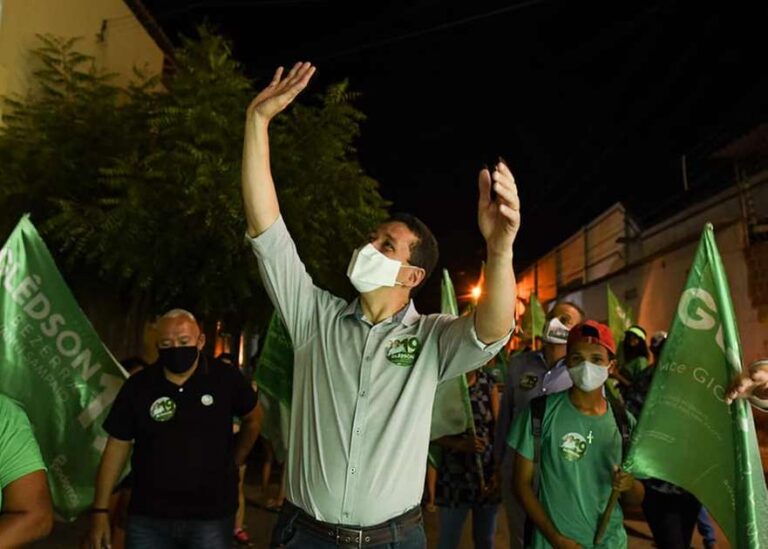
178, 359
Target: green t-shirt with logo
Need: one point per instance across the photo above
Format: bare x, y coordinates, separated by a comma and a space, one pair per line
578, 453
19, 453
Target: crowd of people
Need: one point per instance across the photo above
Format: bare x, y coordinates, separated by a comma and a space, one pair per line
546, 444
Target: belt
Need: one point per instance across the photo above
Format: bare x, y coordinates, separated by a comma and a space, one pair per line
350, 536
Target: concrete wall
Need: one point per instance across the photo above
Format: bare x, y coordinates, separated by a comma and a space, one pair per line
652, 286
123, 45
596, 251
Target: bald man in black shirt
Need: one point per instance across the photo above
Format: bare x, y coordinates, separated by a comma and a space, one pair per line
176, 416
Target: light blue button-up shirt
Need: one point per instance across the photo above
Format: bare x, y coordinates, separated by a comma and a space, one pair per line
362, 392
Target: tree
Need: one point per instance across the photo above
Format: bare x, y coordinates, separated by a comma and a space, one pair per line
141, 187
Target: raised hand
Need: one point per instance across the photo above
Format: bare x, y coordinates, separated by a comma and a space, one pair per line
499, 219
280, 92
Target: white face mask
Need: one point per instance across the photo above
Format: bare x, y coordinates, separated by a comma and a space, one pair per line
588, 377
369, 269
556, 332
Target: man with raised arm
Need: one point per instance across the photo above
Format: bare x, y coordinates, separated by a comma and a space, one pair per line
365, 372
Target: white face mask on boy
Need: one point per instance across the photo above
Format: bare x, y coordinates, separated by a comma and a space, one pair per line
588, 376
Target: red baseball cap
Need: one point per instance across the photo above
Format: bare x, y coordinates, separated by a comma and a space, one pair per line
592, 332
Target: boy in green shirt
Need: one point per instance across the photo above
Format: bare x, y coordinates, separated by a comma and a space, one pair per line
581, 451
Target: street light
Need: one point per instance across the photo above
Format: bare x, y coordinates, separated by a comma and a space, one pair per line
476, 291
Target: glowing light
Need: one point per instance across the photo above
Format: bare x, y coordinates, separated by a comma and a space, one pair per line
476, 291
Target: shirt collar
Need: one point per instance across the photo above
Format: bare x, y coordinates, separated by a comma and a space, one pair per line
559, 364
406, 316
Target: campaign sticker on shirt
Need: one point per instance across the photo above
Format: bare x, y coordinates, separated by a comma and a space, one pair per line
403, 352
162, 409
573, 446
207, 400
528, 381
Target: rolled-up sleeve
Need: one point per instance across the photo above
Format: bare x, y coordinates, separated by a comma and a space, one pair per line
459, 348
520, 436
289, 286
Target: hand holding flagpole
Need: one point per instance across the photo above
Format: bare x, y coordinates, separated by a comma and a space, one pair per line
622, 482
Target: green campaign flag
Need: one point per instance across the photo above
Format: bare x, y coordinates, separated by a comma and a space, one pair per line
274, 371
53, 364
274, 376
687, 435
275, 424
452, 411
619, 317
448, 302
533, 319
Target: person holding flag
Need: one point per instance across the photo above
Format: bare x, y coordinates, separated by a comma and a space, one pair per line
459, 489
366, 372
569, 448
530, 375
697, 401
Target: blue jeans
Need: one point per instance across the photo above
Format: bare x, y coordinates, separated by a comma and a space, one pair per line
287, 535
705, 527
483, 525
155, 533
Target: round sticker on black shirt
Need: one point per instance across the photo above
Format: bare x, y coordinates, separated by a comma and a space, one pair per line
162, 409
528, 382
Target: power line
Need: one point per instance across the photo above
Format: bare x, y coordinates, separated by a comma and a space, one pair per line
234, 4
437, 28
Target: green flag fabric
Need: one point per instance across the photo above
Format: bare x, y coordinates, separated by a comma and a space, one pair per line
533, 319
53, 363
274, 371
452, 411
687, 435
274, 377
619, 317
449, 305
275, 424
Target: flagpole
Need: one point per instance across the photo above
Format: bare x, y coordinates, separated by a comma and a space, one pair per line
605, 518
468, 403
473, 431
449, 305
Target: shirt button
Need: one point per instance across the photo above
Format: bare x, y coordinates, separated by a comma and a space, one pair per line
368, 358
358, 431
181, 389
363, 393
353, 470
544, 390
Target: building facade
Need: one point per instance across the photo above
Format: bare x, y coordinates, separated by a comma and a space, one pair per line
647, 268
119, 34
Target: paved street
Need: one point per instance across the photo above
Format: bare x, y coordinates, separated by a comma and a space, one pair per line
260, 523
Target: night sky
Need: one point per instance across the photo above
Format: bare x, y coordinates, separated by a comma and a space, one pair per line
589, 102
